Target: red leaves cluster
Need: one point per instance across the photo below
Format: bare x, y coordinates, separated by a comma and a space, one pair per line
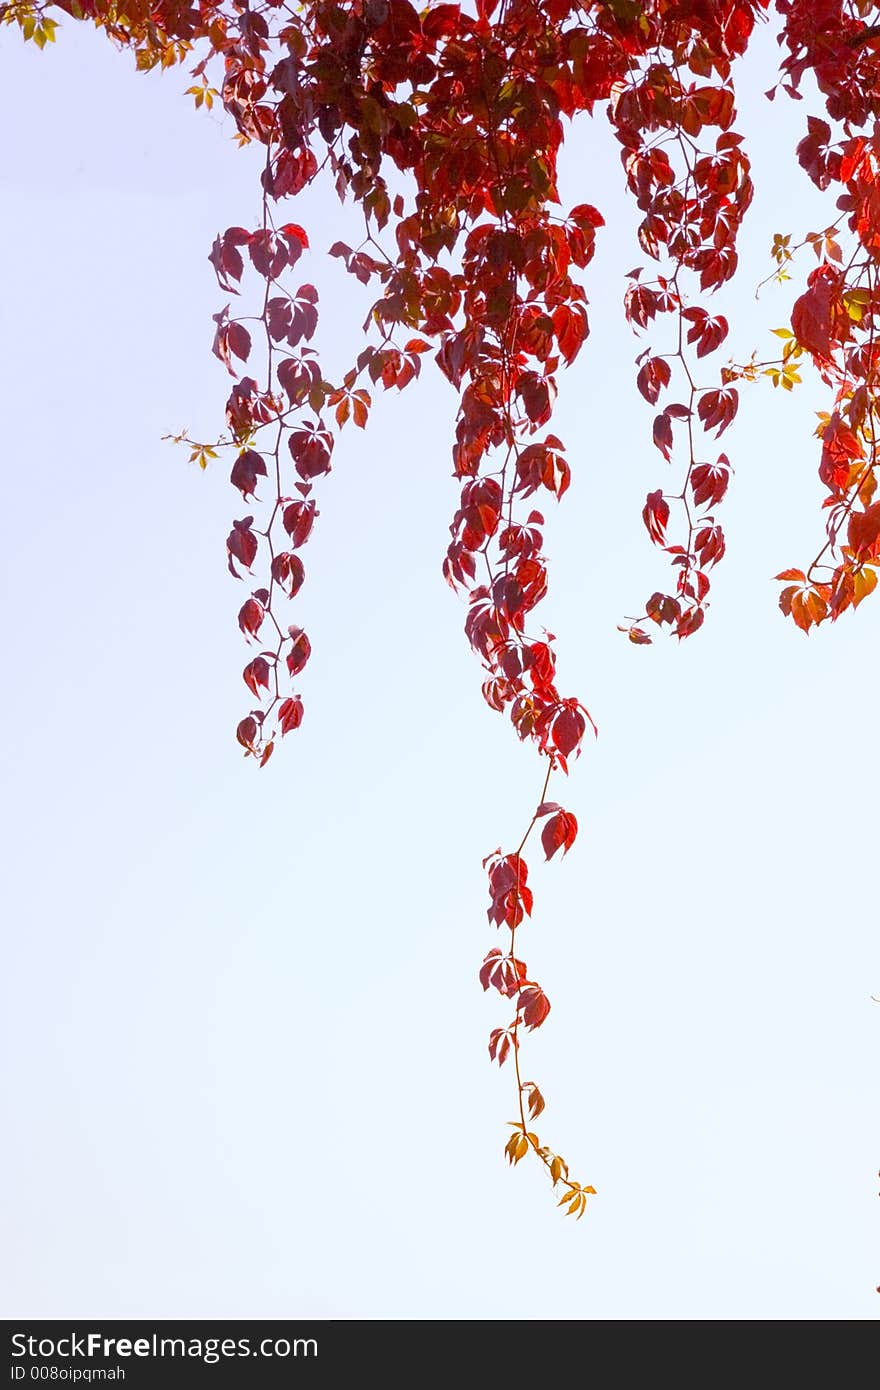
819, 318
289, 319
835, 319
482, 270
693, 194
841, 448
511, 898
271, 252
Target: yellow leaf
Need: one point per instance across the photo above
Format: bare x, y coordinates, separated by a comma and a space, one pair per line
864, 583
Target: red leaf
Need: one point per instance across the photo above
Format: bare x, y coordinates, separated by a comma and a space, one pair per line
708, 333
717, 409
570, 326
268, 253
256, 674
812, 152
568, 729
241, 545
690, 622
251, 617
230, 338
534, 1006
311, 450
504, 972
248, 467
536, 393
239, 340
226, 258
663, 435
641, 305
811, 318
863, 531
246, 733
709, 545
296, 240
653, 376
290, 714
840, 447
300, 650
500, 1042
298, 378
303, 315
585, 215
299, 517
288, 571
709, 483
559, 832
663, 608
542, 465
278, 318
655, 515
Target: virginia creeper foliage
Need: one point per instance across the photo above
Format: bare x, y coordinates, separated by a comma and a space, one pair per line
477, 266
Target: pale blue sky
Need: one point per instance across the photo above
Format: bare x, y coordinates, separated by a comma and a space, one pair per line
246, 1041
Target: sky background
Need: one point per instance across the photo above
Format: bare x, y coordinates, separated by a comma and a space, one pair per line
245, 1041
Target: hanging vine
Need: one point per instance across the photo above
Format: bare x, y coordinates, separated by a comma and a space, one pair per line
476, 264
